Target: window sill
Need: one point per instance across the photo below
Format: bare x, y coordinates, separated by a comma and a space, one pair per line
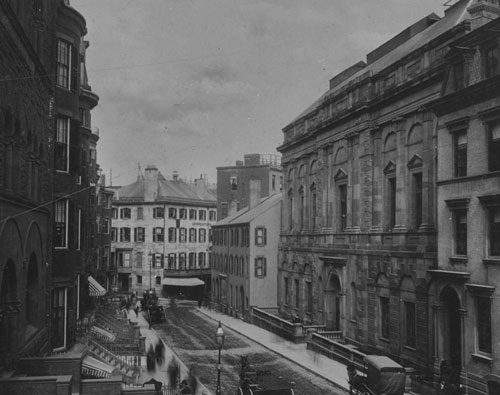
491, 261
410, 348
483, 358
458, 260
383, 339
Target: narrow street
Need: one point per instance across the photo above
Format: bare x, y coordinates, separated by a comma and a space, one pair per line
192, 337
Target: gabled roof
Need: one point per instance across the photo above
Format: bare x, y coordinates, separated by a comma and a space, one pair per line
244, 216
455, 15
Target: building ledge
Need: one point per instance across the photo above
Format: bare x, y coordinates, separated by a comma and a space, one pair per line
491, 261
458, 260
482, 358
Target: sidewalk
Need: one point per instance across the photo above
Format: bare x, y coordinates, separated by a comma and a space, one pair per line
330, 370
160, 372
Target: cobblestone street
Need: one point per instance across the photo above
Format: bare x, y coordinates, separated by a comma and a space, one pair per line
192, 337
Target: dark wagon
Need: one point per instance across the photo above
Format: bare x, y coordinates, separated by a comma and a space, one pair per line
383, 377
258, 382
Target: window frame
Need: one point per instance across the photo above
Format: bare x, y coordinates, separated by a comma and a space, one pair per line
158, 212
260, 270
139, 234
64, 215
62, 144
260, 236
64, 64
384, 302
158, 234
125, 213
125, 234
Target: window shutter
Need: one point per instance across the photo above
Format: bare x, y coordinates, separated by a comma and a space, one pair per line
256, 235
135, 234
264, 236
71, 226
264, 266
256, 262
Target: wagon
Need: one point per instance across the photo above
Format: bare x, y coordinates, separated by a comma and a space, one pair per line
156, 314
383, 377
258, 382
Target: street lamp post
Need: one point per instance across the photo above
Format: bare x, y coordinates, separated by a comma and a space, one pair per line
219, 336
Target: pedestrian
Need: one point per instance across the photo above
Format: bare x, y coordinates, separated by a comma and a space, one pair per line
150, 359
160, 352
185, 388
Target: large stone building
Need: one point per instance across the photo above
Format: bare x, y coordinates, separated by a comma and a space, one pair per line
464, 290
358, 249
47, 174
233, 182
244, 255
161, 235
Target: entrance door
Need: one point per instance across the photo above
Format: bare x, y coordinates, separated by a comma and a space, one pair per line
451, 328
333, 303
59, 318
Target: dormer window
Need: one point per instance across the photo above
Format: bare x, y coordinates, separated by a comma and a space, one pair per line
491, 61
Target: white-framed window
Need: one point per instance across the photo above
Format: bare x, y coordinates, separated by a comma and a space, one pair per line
139, 235
260, 266
158, 212
64, 65
123, 258
192, 235
124, 234
138, 258
158, 234
114, 234
125, 213
202, 215
140, 213
202, 258
172, 213
61, 223
105, 225
172, 235
260, 236
182, 213
182, 235
202, 235
192, 214
212, 215
61, 147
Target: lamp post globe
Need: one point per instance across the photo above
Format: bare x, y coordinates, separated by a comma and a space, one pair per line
219, 337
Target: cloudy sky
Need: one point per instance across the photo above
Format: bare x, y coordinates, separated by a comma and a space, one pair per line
190, 85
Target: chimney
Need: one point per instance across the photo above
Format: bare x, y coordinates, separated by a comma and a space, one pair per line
151, 185
254, 194
482, 12
199, 184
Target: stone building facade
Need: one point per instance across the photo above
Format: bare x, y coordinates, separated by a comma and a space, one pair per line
161, 235
464, 292
358, 249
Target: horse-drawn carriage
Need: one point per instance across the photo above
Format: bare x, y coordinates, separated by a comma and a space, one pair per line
383, 377
259, 382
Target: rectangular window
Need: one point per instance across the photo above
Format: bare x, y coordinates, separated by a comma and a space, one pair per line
286, 290
172, 235
202, 215
202, 259
182, 213
273, 182
192, 214
234, 183
139, 279
124, 258
410, 323
213, 215
309, 296
260, 266
202, 235
80, 229
182, 260
343, 207
494, 147
61, 146
172, 213
492, 58
171, 261
139, 235
114, 213
61, 223
124, 234
297, 293
384, 317
391, 201
260, 236
460, 154
85, 117
114, 234
138, 259
494, 230
158, 235
158, 212
105, 226
182, 235
140, 213
483, 307
224, 209
460, 219
417, 191
63, 64
192, 260
158, 261
192, 235
125, 213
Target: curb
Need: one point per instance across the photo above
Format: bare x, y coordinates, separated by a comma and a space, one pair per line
335, 384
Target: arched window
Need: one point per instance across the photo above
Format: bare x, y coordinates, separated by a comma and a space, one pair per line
314, 203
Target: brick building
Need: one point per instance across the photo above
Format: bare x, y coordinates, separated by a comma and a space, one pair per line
233, 182
464, 290
358, 249
161, 235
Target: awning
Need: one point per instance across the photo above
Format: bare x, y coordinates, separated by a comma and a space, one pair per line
95, 289
94, 367
182, 282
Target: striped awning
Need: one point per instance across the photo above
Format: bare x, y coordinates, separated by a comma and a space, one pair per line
95, 368
95, 289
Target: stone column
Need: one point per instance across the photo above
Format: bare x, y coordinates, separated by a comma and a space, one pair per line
377, 180
401, 175
428, 173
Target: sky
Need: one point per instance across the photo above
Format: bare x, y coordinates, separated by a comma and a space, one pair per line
191, 85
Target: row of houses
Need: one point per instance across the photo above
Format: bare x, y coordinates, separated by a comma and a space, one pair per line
50, 198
